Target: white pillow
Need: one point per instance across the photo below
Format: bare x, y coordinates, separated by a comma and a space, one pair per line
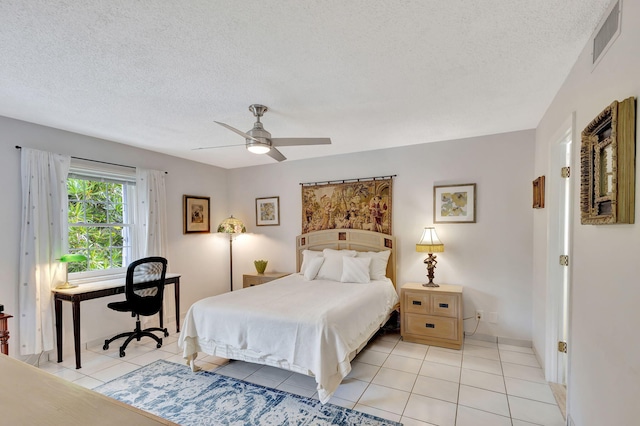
313, 266
379, 260
307, 255
331, 269
355, 269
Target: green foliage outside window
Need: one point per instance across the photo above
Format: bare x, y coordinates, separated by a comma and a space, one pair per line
96, 224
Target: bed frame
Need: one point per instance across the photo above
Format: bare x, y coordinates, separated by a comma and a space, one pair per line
348, 239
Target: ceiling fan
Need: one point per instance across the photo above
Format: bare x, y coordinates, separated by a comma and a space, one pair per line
259, 141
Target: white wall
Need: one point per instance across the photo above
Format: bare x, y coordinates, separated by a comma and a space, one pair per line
202, 259
492, 258
604, 352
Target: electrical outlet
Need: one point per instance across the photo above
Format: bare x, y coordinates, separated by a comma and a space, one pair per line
479, 314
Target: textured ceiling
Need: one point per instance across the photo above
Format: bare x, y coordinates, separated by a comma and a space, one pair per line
369, 74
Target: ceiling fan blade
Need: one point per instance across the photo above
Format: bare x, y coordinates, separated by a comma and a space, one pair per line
276, 155
241, 133
212, 147
300, 141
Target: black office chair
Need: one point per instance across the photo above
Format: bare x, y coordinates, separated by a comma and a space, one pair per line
144, 289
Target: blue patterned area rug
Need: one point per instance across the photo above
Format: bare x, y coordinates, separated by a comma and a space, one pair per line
172, 391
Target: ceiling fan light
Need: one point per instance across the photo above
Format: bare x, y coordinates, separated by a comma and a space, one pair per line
258, 148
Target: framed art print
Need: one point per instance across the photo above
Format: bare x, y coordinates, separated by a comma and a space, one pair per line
454, 203
268, 211
196, 214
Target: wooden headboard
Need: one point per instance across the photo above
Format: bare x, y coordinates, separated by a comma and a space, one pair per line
348, 239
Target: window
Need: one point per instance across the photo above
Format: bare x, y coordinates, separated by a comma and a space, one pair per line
100, 221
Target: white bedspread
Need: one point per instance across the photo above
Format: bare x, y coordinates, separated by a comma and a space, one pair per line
310, 327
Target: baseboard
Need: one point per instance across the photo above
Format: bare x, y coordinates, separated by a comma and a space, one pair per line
500, 340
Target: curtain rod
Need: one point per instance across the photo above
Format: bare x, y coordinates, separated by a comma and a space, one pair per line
329, 182
98, 161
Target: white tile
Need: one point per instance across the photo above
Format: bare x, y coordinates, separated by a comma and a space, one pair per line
97, 363
535, 412
381, 346
149, 357
516, 422
484, 400
408, 421
296, 390
69, 375
481, 352
411, 350
384, 398
171, 347
482, 364
431, 410
436, 388
440, 371
351, 390
302, 381
50, 367
372, 357
273, 373
519, 358
263, 381
444, 357
395, 379
391, 337
523, 372
114, 371
88, 382
482, 343
403, 363
480, 379
213, 360
207, 366
378, 413
342, 402
468, 416
525, 389
512, 348
363, 371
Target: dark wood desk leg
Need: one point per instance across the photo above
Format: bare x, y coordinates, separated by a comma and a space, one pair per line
176, 288
58, 310
161, 313
75, 304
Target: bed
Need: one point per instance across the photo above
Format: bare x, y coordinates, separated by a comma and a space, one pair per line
312, 322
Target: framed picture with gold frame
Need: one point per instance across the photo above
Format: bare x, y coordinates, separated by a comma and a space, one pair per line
454, 203
607, 160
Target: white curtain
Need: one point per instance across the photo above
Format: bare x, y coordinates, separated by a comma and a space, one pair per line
43, 241
151, 211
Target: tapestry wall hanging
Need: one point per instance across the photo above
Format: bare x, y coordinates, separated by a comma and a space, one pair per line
354, 204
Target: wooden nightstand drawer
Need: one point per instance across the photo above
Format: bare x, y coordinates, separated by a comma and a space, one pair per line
431, 326
416, 302
444, 305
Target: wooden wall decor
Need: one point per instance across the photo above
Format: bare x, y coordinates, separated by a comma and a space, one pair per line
607, 160
538, 193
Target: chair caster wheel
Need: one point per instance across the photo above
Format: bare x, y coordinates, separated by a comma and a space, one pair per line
105, 347
121, 354
166, 333
159, 345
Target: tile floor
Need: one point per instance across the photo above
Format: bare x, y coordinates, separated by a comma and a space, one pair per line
483, 384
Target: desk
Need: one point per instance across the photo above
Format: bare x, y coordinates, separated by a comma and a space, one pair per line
31, 396
96, 290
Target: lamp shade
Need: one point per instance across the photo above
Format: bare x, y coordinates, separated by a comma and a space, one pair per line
231, 225
430, 243
73, 258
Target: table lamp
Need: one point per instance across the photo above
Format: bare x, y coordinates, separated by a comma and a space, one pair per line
231, 226
66, 259
430, 243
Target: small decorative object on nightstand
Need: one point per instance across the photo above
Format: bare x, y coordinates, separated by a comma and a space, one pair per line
260, 265
431, 316
249, 280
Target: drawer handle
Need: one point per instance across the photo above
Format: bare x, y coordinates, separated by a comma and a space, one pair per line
444, 305
429, 325
417, 302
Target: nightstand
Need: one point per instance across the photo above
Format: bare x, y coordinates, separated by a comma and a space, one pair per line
249, 280
431, 315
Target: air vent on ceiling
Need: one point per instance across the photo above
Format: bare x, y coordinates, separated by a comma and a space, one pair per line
607, 33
